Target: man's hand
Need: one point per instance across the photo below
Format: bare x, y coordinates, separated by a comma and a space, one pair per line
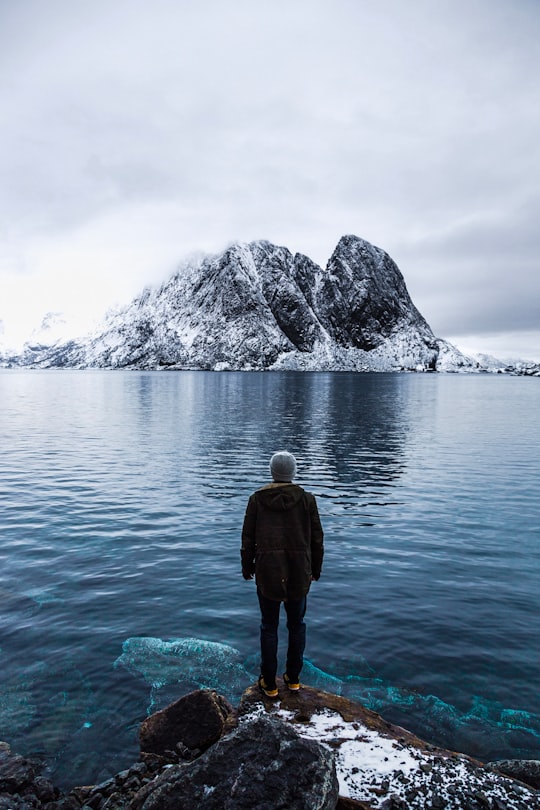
247, 576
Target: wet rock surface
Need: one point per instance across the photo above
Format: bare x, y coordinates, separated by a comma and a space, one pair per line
21, 783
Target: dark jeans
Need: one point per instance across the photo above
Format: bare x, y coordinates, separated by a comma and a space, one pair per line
296, 610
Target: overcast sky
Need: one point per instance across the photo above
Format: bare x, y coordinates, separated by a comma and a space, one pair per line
135, 133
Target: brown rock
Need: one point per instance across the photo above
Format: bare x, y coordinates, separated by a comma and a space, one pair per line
309, 701
193, 722
345, 803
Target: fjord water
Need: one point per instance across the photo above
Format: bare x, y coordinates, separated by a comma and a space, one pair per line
122, 499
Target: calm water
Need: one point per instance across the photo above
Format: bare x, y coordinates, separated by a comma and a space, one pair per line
121, 502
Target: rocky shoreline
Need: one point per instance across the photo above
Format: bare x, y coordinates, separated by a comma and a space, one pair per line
305, 751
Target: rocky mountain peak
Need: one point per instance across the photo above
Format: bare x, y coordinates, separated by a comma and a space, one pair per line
363, 297
258, 306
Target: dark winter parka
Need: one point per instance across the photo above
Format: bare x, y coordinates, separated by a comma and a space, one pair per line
282, 541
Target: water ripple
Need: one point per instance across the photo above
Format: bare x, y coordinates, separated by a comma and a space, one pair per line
121, 502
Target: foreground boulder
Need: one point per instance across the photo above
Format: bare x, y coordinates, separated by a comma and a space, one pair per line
188, 726
263, 764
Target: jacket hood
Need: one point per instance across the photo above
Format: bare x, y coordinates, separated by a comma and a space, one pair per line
280, 497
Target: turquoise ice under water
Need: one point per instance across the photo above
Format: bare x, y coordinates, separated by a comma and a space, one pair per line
122, 497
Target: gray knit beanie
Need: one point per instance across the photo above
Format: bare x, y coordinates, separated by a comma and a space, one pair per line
283, 466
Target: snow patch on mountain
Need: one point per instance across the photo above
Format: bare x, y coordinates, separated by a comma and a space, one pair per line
53, 329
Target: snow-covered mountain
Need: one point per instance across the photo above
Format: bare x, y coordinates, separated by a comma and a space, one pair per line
52, 330
258, 306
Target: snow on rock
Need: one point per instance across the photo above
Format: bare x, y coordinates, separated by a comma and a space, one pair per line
45, 339
451, 359
487, 362
370, 767
383, 765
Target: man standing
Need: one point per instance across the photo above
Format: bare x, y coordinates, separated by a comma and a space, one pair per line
282, 544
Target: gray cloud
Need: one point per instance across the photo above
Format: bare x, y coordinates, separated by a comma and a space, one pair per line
185, 126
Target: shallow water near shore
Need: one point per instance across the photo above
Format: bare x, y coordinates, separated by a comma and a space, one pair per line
122, 499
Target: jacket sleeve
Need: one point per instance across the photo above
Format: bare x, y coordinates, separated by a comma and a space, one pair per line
247, 552
317, 545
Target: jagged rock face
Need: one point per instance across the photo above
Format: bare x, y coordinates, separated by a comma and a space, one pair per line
256, 306
363, 298
287, 285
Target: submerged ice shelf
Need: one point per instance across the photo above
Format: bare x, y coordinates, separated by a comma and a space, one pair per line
486, 730
173, 667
